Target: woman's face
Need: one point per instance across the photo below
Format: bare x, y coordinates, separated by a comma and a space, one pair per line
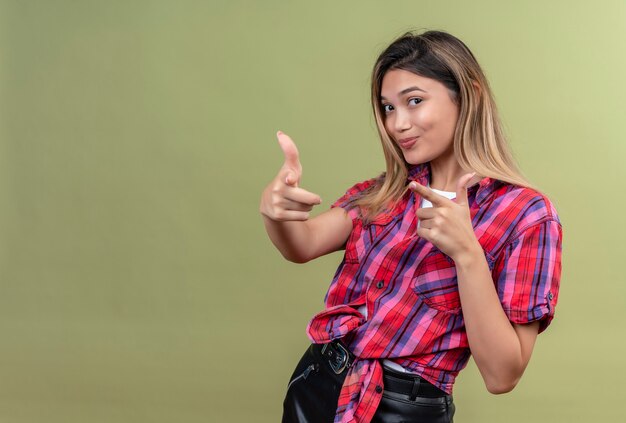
419, 116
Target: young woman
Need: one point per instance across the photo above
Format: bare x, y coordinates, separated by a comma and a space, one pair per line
449, 252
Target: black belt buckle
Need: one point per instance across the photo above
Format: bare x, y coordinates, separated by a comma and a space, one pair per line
338, 356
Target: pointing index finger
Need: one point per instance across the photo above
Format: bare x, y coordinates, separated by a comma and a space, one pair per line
427, 193
301, 195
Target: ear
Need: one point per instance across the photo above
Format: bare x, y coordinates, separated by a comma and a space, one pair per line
477, 87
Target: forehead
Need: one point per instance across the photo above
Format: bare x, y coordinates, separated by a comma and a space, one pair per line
397, 80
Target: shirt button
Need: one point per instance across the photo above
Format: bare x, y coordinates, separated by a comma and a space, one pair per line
380, 284
379, 389
550, 296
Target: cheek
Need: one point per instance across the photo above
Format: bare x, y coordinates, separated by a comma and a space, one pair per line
388, 123
451, 114
426, 118
438, 119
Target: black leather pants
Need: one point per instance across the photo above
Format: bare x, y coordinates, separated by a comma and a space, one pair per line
313, 392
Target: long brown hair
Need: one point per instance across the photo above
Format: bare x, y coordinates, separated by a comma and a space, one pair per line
480, 144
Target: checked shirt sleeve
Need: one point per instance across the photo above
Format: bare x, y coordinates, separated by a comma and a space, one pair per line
527, 274
346, 200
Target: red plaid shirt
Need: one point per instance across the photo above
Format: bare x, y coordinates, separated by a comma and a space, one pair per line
410, 290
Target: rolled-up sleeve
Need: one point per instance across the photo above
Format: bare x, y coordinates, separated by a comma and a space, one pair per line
345, 201
527, 274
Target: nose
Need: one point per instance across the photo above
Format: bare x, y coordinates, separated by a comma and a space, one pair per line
402, 122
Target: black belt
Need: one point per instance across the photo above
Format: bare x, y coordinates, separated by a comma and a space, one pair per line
340, 358
410, 384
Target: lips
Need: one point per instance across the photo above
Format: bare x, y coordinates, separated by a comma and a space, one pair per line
407, 142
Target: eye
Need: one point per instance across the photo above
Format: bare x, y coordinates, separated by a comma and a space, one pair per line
419, 100
385, 108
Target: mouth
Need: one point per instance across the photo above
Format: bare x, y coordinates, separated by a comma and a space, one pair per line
407, 142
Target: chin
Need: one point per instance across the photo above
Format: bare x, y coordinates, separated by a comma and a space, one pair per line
412, 160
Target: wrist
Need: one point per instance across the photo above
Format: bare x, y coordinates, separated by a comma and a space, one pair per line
470, 255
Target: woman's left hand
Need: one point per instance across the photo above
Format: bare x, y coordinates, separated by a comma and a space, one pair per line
448, 224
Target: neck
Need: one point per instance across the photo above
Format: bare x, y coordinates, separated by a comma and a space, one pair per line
445, 176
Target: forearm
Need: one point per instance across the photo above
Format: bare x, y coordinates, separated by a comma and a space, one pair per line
291, 238
493, 342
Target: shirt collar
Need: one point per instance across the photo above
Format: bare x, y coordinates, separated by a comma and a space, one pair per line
479, 190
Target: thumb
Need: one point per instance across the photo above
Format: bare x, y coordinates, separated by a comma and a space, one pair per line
461, 188
292, 157
291, 179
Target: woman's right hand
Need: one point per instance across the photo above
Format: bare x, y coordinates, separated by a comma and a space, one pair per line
282, 200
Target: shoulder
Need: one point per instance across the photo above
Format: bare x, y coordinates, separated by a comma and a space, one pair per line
365, 185
354, 193
361, 188
521, 208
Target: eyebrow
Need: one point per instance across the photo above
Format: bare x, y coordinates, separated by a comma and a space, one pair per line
407, 90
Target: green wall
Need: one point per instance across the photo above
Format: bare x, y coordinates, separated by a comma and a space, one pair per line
137, 283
